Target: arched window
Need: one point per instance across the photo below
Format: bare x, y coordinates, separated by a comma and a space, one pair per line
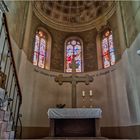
73, 49
108, 54
41, 55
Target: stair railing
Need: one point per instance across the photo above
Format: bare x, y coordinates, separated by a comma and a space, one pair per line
8, 68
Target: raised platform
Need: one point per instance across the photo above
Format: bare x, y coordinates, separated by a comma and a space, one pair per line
74, 122
76, 138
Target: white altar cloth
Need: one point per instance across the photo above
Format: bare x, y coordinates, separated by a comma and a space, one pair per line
72, 113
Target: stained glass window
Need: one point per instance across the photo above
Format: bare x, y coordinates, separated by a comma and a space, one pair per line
73, 50
108, 49
39, 56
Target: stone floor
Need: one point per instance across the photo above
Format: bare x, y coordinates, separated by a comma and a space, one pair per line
76, 138
83, 138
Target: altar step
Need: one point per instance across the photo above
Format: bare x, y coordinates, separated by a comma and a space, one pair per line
76, 138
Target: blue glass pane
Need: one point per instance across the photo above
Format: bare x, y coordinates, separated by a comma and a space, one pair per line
108, 50
78, 62
40, 49
36, 48
77, 49
105, 49
42, 46
111, 46
35, 58
112, 58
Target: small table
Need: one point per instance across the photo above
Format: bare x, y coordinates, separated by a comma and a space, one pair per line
74, 122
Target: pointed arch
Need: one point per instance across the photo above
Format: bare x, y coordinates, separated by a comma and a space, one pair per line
42, 49
73, 49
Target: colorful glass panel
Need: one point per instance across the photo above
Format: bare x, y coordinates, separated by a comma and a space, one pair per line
42, 46
35, 58
39, 49
73, 50
112, 58
41, 61
108, 49
36, 44
105, 47
106, 61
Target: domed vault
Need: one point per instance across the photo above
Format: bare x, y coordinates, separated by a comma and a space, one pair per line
71, 15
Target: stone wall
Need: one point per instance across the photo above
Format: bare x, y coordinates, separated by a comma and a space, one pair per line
17, 17
16, 20
115, 91
129, 14
58, 40
136, 13
23, 32
115, 29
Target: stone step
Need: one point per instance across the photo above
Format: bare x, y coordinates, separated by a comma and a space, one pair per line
3, 101
9, 126
2, 93
5, 126
4, 115
7, 116
2, 112
75, 138
2, 79
5, 135
8, 135
12, 135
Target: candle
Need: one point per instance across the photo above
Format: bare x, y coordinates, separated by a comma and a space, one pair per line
83, 93
90, 93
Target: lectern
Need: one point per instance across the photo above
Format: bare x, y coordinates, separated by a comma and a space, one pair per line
74, 122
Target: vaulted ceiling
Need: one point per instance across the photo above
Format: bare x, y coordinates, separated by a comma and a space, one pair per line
71, 13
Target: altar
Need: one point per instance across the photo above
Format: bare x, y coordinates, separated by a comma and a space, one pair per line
74, 122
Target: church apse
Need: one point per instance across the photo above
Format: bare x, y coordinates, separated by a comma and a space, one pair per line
120, 104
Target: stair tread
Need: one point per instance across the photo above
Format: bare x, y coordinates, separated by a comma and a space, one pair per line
75, 138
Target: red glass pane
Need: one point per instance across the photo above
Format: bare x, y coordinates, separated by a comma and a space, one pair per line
108, 50
106, 61
105, 49
73, 49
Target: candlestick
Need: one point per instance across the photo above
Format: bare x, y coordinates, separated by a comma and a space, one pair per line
83, 96
90, 93
83, 93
